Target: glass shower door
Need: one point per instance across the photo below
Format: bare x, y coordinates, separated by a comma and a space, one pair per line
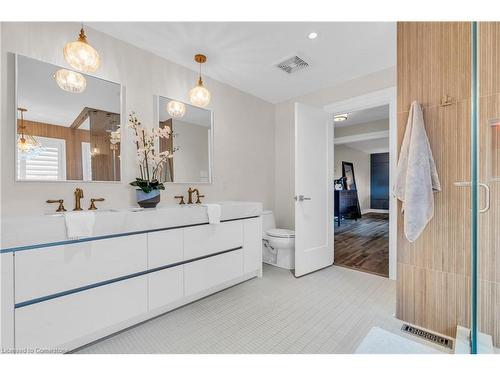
485, 192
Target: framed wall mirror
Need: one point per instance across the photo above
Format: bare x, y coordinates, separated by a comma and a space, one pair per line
348, 173
67, 124
191, 143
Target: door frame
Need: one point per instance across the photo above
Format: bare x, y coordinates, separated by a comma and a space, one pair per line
378, 98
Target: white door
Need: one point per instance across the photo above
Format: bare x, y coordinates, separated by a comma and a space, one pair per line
313, 189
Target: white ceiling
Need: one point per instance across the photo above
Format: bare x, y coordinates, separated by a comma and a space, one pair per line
244, 54
38, 92
193, 115
364, 116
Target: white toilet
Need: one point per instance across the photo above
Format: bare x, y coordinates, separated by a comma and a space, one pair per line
278, 245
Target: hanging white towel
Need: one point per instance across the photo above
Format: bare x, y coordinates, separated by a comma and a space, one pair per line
416, 176
214, 212
79, 224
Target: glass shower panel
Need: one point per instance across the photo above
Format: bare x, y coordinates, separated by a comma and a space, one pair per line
485, 282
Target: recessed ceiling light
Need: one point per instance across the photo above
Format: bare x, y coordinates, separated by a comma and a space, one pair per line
312, 35
340, 118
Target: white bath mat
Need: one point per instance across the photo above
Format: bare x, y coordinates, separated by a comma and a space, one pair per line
380, 341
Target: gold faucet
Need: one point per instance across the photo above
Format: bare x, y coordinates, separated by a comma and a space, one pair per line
190, 195
92, 203
61, 204
78, 197
181, 197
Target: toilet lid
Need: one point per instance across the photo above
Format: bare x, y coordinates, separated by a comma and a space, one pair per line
281, 233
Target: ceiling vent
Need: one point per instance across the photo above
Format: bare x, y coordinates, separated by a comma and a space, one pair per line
292, 65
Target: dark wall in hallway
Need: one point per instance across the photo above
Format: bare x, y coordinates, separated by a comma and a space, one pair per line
379, 181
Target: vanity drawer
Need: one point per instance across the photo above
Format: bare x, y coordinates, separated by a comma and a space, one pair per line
57, 322
206, 273
208, 239
45, 271
165, 286
165, 247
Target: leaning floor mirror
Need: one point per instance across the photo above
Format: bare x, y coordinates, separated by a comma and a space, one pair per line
68, 124
190, 144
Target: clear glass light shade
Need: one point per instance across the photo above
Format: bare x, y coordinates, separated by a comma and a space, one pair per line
82, 56
176, 109
70, 81
199, 95
28, 147
115, 137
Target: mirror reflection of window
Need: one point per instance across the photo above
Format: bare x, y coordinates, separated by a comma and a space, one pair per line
47, 165
190, 143
85, 117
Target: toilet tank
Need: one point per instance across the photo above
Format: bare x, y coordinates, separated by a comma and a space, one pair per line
268, 221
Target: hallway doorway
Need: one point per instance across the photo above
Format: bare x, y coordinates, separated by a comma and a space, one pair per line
363, 245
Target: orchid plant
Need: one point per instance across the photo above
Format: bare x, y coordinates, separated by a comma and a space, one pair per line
150, 161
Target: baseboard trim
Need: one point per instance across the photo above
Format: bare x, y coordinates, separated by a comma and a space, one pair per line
374, 210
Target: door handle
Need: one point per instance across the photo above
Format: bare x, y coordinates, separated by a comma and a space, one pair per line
486, 189
301, 198
487, 202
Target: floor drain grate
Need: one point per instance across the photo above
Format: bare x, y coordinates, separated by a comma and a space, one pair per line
432, 337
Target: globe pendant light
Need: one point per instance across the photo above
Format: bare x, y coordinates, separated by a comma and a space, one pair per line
176, 109
199, 95
27, 145
70, 81
81, 55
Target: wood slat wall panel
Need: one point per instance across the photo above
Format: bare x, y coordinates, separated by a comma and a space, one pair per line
431, 57
489, 156
489, 58
433, 273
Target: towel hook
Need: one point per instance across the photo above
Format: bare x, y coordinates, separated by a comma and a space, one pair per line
446, 100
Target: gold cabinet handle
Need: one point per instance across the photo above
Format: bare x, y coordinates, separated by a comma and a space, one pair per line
60, 208
92, 203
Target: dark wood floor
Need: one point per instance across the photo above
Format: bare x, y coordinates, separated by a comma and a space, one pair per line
364, 244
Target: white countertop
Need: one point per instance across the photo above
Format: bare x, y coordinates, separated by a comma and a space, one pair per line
35, 230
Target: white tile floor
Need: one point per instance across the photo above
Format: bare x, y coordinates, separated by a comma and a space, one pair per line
329, 311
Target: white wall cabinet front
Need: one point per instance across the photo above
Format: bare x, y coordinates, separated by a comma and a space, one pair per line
207, 273
165, 247
165, 287
208, 239
45, 271
59, 322
68, 295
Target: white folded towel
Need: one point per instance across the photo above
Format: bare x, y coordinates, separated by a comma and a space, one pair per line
214, 212
79, 224
416, 176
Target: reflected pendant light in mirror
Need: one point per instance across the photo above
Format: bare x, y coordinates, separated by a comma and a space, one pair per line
176, 109
81, 55
27, 145
70, 81
199, 95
